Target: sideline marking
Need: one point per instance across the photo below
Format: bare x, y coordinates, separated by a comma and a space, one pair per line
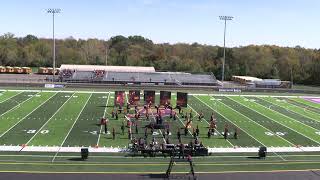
159, 172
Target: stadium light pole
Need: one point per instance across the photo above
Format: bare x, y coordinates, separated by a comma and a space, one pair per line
225, 19
53, 11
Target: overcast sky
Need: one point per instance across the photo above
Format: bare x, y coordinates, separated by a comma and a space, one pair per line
278, 22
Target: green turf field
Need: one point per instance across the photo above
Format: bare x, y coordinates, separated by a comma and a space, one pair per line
33, 122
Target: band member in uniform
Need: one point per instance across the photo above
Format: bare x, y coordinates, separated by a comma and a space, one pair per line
181, 150
167, 140
212, 117
122, 128
235, 136
225, 134
179, 108
112, 113
190, 114
113, 134
147, 116
200, 116
209, 133
146, 133
128, 106
179, 135
185, 131
102, 121
106, 126
174, 115
194, 133
137, 130
197, 130
117, 115
129, 133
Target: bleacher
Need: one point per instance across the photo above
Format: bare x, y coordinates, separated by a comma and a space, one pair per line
122, 77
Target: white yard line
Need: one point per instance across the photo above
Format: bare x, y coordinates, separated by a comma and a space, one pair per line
27, 115
279, 122
54, 157
290, 118
209, 124
268, 130
104, 114
48, 120
291, 111
18, 105
235, 125
10, 97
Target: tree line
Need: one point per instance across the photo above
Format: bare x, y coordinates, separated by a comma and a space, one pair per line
266, 61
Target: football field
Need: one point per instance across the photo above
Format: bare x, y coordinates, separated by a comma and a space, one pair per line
52, 126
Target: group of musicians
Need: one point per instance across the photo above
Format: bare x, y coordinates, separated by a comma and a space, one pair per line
132, 123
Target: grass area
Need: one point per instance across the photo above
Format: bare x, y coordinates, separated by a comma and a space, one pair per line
68, 119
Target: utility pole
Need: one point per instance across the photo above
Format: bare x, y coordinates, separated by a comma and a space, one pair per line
53, 12
225, 19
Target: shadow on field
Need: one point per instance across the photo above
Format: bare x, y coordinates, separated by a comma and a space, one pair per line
253, 157
76, 159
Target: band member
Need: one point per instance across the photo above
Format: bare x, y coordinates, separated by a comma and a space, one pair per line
200, 116
128, 106
106, 126
112, 113
122, 128
160, 119
146, 133
188, 124
117, 115
168, 131
167, 140
194, 133
212, 117
129, 134
235, 136
147, 116
179, 135
179, 108
209, 134
113, 134
181, 151
174, 115
129, 123
102, 121
190, 114
185, 131
197, 131
137, 130
226, 130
